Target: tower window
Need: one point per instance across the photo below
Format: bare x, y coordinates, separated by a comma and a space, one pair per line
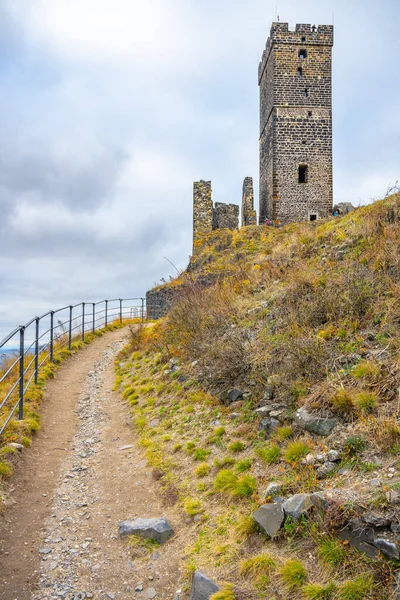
303, 39
309, 113
299, 72
303, 173
313, 216
303, 53
306, 93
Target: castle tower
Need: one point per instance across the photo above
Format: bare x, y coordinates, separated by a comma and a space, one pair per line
295, 79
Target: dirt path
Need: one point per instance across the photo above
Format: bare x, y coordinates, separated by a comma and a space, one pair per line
60, 538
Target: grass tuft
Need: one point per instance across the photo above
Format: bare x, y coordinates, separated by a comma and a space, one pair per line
293, 573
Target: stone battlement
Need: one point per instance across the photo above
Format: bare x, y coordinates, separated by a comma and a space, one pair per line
302, 34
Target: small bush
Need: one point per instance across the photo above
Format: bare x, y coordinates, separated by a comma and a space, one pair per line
262, 564
316, 591
331, 551
226, 462
225, 594
5, 470
293, 573
236, 446
202, 470
243, 465
219, 431
241, 487
366, 369
200, 454
192, 507
356, 589
269, 454
343, 402
296, 450
365, 402
246, 526
354, 445
284, 433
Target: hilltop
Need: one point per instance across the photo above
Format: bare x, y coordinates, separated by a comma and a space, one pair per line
274, 381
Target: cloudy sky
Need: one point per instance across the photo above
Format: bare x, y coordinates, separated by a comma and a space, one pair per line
110, 109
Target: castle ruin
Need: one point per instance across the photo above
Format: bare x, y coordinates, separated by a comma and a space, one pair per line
295, 79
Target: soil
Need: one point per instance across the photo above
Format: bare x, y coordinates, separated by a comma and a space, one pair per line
83, 475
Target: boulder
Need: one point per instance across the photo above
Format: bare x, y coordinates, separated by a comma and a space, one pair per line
297, 505
321, 501
393, 496
269, 392
233, 395
388, 545
333, 456
158, 530
355, 538
313, 424
202, 587
269, 425
270, 518
325, 470
273, 489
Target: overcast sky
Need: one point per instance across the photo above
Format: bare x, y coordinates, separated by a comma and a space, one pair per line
110, 109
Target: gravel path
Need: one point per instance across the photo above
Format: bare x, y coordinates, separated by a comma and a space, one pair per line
102, 479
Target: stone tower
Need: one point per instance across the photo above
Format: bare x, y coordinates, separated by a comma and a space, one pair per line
295, 79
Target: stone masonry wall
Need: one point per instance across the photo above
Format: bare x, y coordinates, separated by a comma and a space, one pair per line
202, 210
225, 216
249, 215
296, 123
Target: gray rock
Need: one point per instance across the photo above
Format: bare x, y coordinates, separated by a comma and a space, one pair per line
269, 393
273, 489
18, 447
325, 470
354, 539
393, 496
388, 546
233, 396
158, 530
263, 411
150, 593
270, 518
320, 501
202, 587
268, 426
297, 505
333, 455
318, 425
45, 550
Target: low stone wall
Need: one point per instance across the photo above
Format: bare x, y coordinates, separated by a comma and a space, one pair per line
160, 300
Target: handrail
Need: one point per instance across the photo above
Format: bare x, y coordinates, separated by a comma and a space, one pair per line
34, 349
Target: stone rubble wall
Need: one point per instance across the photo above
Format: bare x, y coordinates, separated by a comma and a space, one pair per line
202, 210
225, 216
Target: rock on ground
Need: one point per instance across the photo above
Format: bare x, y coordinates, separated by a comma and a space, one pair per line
158, 530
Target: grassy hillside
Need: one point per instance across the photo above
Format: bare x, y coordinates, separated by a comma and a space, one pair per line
303, 316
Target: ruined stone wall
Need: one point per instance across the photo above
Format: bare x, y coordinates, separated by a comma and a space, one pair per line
202, 210
225, 216
249, 215
159, 301
296, 123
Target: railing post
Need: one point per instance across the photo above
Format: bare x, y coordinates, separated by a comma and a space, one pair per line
120, 310
70, 329
21, 372
106, 313
51, 334
94, 317
37, 320
142, 309
83, 321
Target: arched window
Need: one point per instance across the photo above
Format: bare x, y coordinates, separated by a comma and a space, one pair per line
299, 72
303, 53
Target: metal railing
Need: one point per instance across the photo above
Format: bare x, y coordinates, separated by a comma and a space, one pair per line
37, 341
